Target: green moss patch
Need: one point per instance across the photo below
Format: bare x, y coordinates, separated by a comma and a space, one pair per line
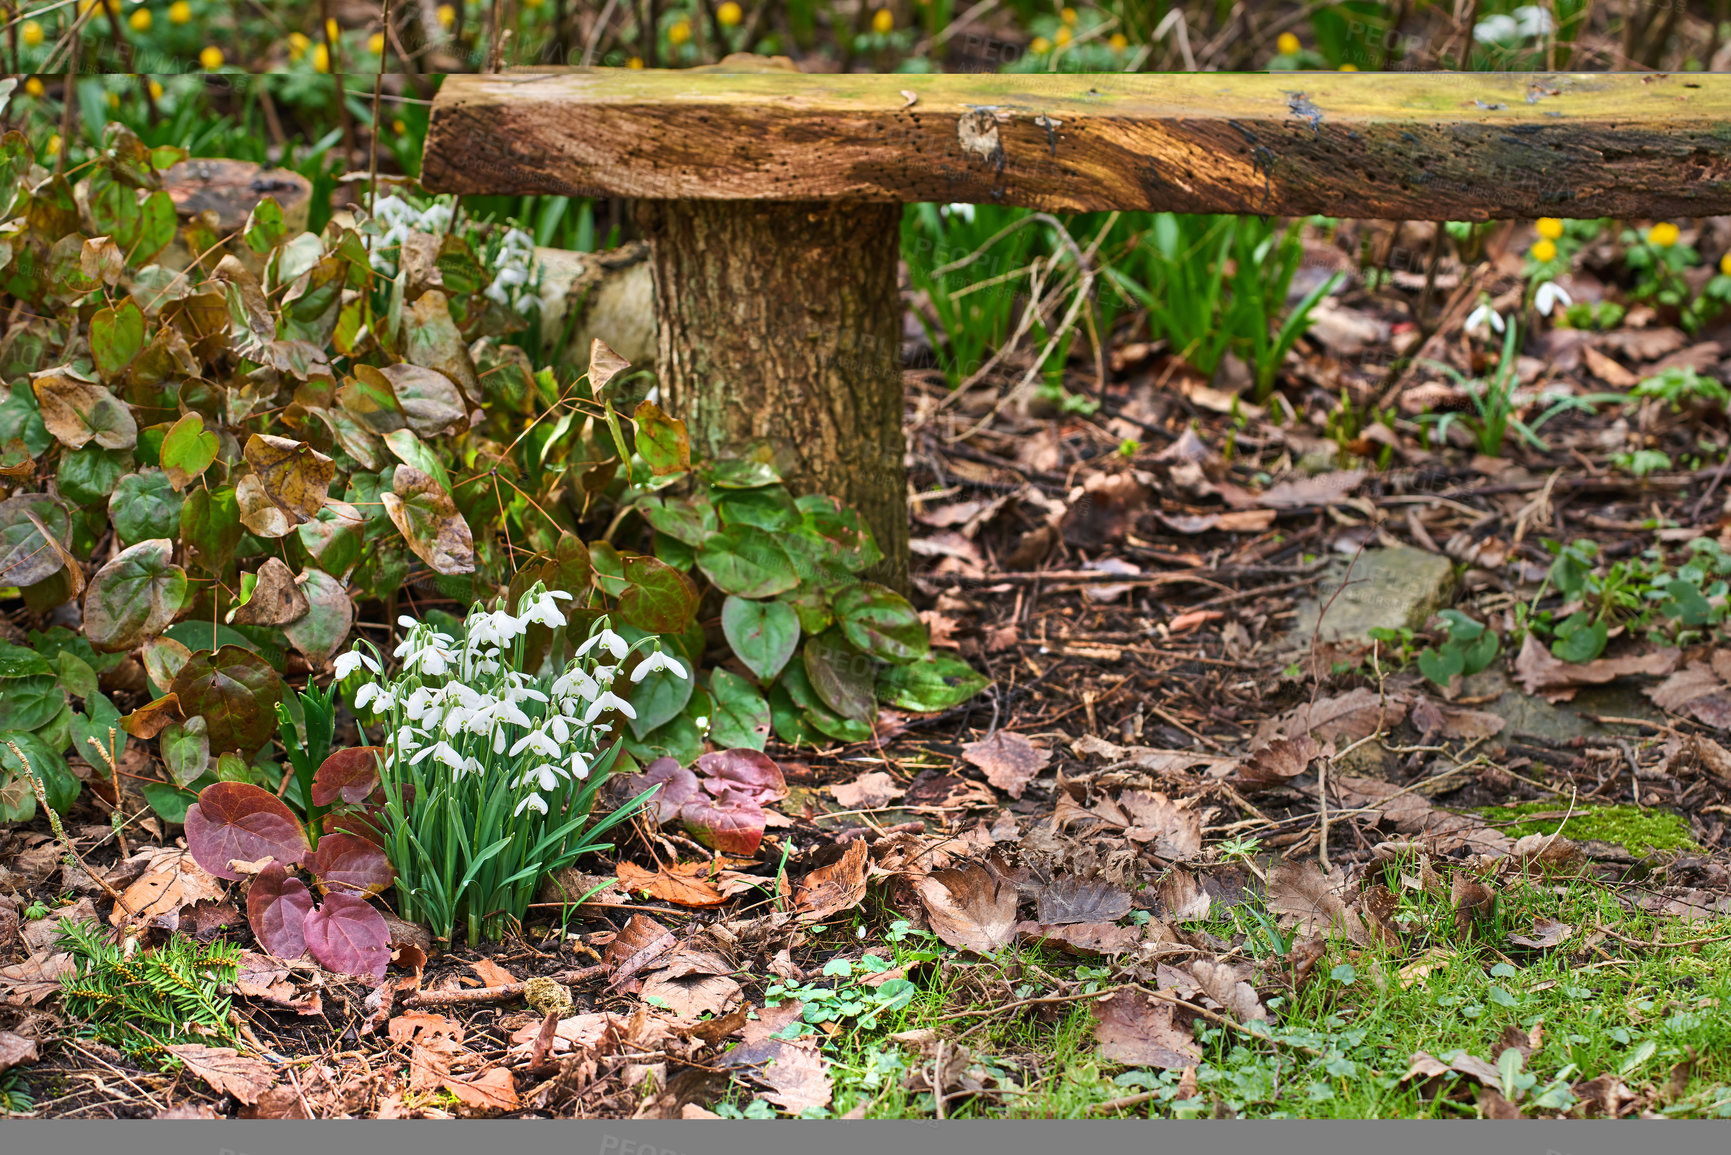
1636, 829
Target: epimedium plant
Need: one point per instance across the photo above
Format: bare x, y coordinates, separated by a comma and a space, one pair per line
264, 430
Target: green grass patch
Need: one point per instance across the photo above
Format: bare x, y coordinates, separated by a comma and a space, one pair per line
1637, 829
1651, 1017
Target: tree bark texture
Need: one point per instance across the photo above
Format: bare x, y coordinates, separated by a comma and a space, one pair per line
780, 325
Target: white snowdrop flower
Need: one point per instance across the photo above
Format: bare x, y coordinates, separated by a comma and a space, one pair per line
607, 640
472, 765
496, 292
1549, 296
537, 741
1533, 20
407, 622
510, 712
374, 694
446, 753
544, 776
1483, 315
574, 683
499, 740
579, 766
966, 212
607, 701
604, 674
434, 662
533, 802
545, 611
1494, 29
659, 660
348, 663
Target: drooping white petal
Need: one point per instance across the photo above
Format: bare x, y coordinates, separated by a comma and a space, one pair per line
659, 660
531, 802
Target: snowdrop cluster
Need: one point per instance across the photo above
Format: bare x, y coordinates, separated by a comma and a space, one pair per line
1524, 23
461, 708
512, 260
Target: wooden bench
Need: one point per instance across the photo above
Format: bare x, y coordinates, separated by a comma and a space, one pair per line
772, 199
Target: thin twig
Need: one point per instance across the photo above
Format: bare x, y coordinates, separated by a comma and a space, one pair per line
498, 994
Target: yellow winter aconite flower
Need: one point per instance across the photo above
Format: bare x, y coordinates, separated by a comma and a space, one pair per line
1349, 66
531, 3
140, 20
1118, 42
634, 62
34, 87
1543, 250
114, 100
210, 58
883, 21
180, 12
1287, 45
156, 90
1061, 36
298, 45
321, 58
447, 15
1664, 234
376, 44
332, 32
1550, 228
32, 33
398, 127
679, 32
53, 148
1068, 16
1725, 264
729, 14
1039, 46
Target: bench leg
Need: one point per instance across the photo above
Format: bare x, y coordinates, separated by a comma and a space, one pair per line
780, 323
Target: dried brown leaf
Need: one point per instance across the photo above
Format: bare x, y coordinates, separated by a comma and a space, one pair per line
830, 889
171, 881
226, 1070
1074, 900
1539, 672
969, 907
683, 883
871, 791
1010, 761
1136, 1029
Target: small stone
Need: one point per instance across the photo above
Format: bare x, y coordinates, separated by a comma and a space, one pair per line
545, 996
1392, 589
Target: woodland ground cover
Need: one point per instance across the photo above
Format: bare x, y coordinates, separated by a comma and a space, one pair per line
1076, 824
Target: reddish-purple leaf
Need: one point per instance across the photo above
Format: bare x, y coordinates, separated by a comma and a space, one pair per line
239, 821
349, 863
745, 770
348, 936
347, 774
366, 822
277, 905
678, 787
729, 820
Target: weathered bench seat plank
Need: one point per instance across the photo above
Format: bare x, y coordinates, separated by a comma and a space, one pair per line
1444, 146
769, 196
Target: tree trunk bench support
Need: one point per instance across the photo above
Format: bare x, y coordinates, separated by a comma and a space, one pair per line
772, 197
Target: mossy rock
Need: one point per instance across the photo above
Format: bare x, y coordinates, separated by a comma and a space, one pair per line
1636, 829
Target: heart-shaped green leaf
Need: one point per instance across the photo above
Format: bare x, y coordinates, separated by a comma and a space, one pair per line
763, 634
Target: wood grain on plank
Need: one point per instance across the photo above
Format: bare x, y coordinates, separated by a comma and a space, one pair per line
1440, 146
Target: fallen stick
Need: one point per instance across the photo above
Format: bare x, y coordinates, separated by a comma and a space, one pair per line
493, 994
